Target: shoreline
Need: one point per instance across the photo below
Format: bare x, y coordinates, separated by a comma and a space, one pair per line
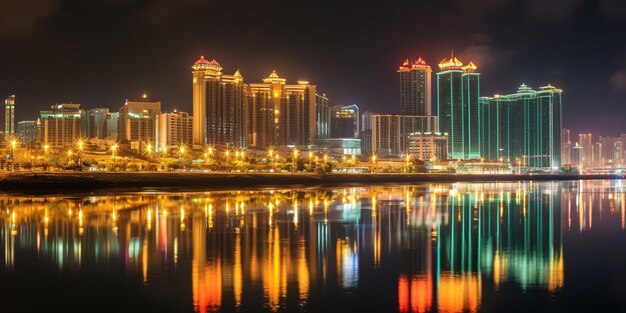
50, 183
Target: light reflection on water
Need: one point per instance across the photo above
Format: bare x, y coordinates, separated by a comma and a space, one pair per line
443, 247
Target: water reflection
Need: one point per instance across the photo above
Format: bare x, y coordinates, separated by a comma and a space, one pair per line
427, 247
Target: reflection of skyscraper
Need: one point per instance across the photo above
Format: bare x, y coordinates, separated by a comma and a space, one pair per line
415, 88
458, 92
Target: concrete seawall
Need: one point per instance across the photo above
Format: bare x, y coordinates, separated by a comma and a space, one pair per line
88, 182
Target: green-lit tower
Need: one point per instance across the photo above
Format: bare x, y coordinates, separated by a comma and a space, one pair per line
523, 128
458, 95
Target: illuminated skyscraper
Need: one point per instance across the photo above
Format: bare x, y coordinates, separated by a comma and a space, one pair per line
27, 133
61, 125
138, 124
218, 105
175, 129
458, 93
344, 121
523, 128
566, 147
9, 116
278, 114
586, 144
415, 88
322, 119
97, 123
390, 132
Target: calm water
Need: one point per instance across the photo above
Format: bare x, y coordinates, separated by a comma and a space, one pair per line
446, 247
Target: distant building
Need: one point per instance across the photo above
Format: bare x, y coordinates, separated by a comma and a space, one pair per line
175, 129
96, 123
344, 121
27, 133
279, 114
366, 133
322, 119
458, 93
340, 146
566, 147
218, 105
62, 125
111, 125
390, 132
415, 88
138, 124
586, 146
9, 116
523, 128
428, 146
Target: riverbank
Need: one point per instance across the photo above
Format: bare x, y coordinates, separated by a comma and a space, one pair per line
91, 182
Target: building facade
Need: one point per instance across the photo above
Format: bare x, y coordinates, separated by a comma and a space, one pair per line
390, 132
218, 105
428, 146
415, 88
523, 128
458, 94
27, 133
344, 121
566, 146
279, 114
62, 125
586, 150
175, 129
9, 116
138, 124
322, 119
96, 123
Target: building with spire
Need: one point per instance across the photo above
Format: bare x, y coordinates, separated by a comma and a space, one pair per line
458, 94
279, 114
218, 105
415, 88
524, 128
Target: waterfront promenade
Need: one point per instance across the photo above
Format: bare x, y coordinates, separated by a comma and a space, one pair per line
40, 183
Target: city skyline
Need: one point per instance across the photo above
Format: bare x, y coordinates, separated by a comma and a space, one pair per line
509, 51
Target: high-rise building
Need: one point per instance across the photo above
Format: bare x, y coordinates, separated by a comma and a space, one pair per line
218, 105
428, 146
366, 133
9, 116
586, 152
458, 93
278, 114
27, 133
175, 129
138, 124
390, 132
566, 146
523, 128
62, 125
111, 125
344, 121
322, 119
415, 88
96, 123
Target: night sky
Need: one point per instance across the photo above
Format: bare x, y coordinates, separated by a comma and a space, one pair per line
99, 53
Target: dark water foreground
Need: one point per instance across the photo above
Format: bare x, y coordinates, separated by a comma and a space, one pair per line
466, 247
81, 182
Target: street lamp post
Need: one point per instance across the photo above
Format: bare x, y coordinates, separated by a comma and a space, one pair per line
374, 163
113, 151
295, 160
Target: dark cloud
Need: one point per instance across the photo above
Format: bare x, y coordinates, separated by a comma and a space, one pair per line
484, 53
22, 16
553, 8
613, 8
